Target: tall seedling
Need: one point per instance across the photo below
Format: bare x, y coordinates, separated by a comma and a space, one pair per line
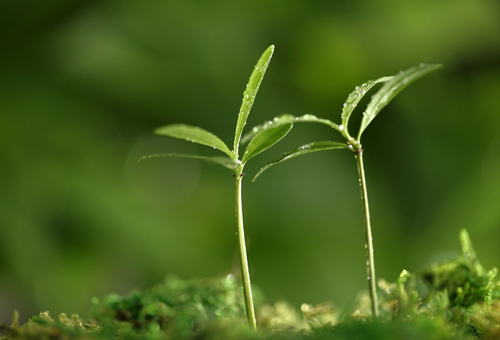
393, 85
259, 142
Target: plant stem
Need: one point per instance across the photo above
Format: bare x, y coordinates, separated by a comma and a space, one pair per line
370, 262
245, 274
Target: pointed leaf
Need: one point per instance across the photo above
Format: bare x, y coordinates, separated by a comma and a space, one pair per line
250, 93
285, 119
280, 120
302, 150
194, 134
313, 119
354, 98
391, 89
265, 139
224, 161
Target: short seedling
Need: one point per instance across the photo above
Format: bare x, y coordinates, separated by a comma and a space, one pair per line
261, 141
393, 85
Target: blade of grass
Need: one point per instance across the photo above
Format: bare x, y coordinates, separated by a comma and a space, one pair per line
250, 93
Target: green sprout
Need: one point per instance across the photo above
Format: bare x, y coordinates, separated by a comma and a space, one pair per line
259, 142
392, 86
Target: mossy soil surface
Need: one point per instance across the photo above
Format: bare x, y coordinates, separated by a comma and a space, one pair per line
451, 300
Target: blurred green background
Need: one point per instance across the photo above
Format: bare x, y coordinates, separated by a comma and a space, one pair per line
84, 83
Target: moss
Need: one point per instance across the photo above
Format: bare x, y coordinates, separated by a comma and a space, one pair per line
181, 308
460, 294
452, 300
464, 280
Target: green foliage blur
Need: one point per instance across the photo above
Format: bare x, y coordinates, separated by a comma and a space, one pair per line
84, 83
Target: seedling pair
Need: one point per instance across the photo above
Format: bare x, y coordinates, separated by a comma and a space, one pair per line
266, 135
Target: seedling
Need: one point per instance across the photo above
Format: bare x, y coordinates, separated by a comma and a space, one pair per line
260, 141
393, 85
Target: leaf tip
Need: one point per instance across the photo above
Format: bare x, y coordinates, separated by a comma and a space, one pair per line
433, 66
256, 175
144, 158
270, 51
158, 131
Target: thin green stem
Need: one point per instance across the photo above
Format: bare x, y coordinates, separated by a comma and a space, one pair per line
370, 262
245, 274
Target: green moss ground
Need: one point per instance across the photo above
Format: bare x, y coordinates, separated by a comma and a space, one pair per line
457, 299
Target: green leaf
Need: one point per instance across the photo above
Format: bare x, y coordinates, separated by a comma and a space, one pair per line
250, 93
285, 119
354, 98
194, 134
224, 161
391, 89
265, 139
302, 150
280, 120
